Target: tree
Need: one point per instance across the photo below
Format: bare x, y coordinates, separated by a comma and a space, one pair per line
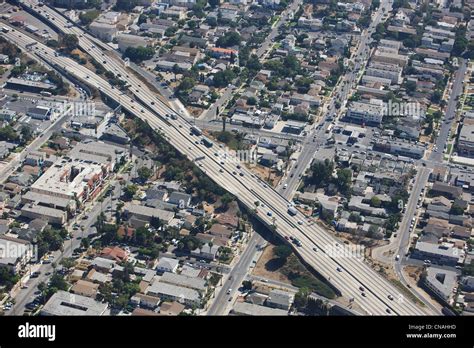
125, 5
131, 190
8, 278
460, 41
373, 231
343, 182
42, 287
213, 3
410, 87
176, 70
282, 251
375, 202
142, 19
85, 243
68, 262
252, 101
456, 209
301, 298
229, 39
223, 78
58, 282
8, 133
226, 199
26, 133
247, 285
144, 173
156, 222
87, 17
321, 172
70, 42
186, 84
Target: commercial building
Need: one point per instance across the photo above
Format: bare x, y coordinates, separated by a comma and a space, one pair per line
63, 303
170, 292
146, 213
64, 204
400, 148
14, 253
244, 308
104, 31
197, 284
51, 215
370, 113
39, 113
71, 179
465, 144
440, 282
280, 299
437, 253
107, 155
388, 71
127, 40
390, 58
28, 85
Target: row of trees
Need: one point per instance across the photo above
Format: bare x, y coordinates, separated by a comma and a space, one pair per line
139, 54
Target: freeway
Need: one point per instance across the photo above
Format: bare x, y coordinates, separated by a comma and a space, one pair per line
348, 274
341, 92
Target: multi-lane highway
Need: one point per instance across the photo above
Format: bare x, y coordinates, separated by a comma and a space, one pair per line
347, 272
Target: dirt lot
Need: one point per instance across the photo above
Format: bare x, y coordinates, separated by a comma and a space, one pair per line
261, 268
265, 173
413, 272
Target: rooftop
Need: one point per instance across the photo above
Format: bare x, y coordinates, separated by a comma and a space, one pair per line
64, 303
